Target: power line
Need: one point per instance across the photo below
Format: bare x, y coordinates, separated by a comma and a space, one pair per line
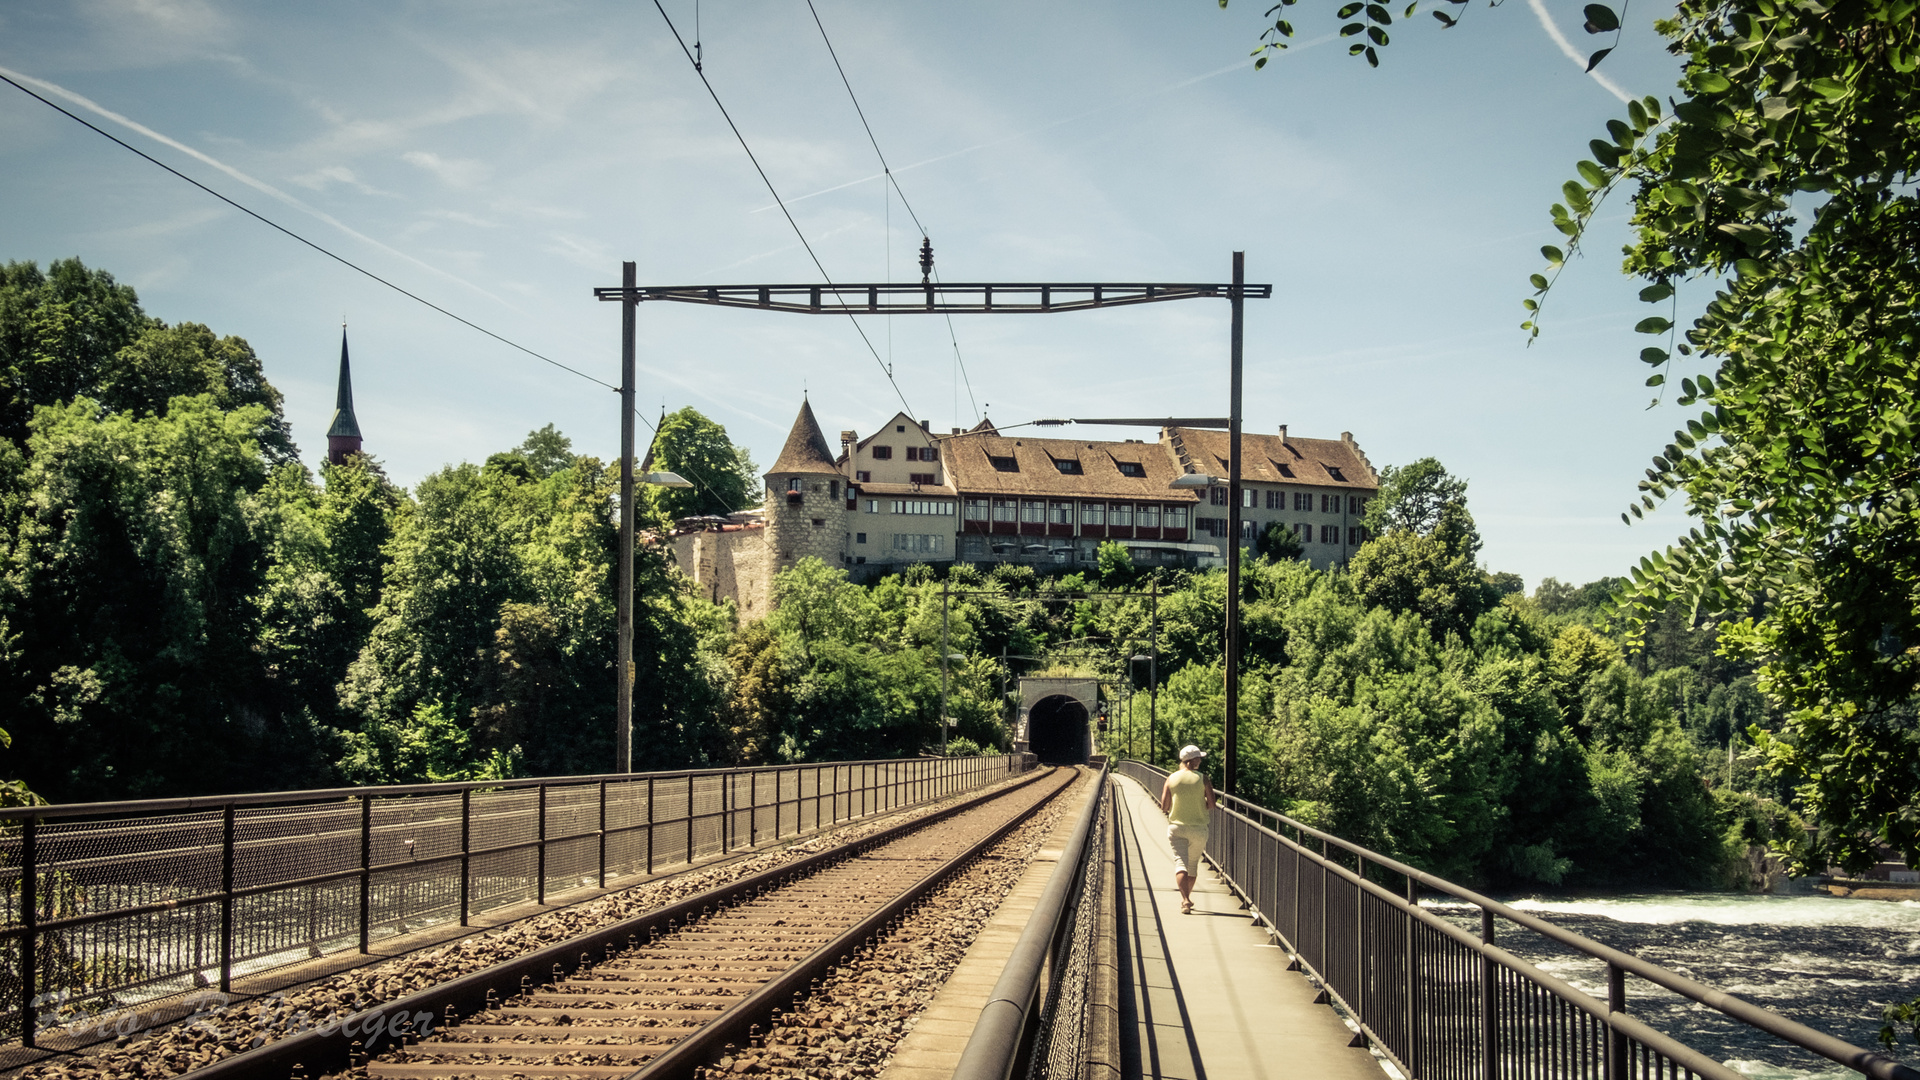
887, 171
742, 139
289, 232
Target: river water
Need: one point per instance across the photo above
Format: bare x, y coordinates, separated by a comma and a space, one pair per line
1832, 964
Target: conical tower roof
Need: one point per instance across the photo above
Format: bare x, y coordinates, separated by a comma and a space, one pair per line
806, 450
344, 424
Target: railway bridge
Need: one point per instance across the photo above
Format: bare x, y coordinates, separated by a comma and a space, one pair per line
926, 919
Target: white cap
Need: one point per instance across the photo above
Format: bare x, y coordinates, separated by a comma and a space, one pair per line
1190, 751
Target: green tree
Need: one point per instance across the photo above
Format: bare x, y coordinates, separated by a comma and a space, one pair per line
546, 451
59, 333
1414, 497
1279, 541
724, 478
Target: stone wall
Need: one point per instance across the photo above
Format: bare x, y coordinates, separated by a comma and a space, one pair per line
812, 524
730, 563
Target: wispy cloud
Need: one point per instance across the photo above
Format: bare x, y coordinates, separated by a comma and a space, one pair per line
258, 185
318, 180
453, 172
1241, 65
1573, 54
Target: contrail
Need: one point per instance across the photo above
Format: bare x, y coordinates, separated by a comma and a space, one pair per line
1573, 54
1169, 88
258, 185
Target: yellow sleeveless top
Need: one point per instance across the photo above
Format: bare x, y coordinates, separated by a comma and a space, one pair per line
1189, 799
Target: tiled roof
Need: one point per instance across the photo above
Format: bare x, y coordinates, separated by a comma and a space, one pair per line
971, 467
1270, 458
806, 450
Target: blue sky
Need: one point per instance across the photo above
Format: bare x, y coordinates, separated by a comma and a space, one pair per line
502, 159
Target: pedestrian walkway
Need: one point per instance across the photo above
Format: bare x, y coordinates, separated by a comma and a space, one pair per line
1207, 996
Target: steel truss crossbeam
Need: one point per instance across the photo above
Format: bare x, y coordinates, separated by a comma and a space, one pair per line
905, 298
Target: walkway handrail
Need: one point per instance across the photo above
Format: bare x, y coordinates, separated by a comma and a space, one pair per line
994, 1047
1255, 877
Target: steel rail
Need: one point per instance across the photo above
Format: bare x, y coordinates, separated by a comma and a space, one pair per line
324, 1049
733, 1026
1000, 1032
1834, 1049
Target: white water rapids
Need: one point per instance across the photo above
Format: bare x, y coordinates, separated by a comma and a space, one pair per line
1832, 964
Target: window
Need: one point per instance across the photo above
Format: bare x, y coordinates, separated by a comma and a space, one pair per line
1149, 517
1211, 526
1335, 473
1060, 513
1329, 534
1285, 470
923, 453
1356, 536
859, 538
1003, 509
1120, 515
1033, 511
1302, 500
1247, 532
1093, 513
1003, 464
1131, 468
923, 506
863, 477
819, 523
921, 544
1070, 466
920, 478
882, 453
1305, 532
976, 509
1274, 499
1329, 504
1217, 496
900, 427
873, 506
794, 484
1249, 498
1176, 517
1356, 505
833, 488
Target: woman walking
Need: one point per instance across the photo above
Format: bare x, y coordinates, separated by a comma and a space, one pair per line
1186, 797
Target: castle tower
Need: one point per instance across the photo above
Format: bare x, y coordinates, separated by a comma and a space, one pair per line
343, 434
805, 509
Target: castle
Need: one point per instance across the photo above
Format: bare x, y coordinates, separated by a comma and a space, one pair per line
905, 495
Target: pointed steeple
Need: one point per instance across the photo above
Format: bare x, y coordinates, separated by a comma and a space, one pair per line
806, 450
343, 434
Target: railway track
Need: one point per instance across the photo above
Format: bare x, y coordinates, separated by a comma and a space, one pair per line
659, 996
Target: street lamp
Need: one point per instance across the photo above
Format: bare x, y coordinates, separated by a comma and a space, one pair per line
666, 479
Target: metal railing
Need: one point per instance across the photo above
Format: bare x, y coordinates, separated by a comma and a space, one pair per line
1441, 1002
109, 904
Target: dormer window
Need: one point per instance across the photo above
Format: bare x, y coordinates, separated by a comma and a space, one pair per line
1285, 470
1131, 468
1070, 466
1003, 464
1335, 473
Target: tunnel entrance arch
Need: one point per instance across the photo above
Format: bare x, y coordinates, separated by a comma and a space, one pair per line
1056, 719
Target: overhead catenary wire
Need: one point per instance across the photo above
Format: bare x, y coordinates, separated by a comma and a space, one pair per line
886, 171
771, 190
263, 219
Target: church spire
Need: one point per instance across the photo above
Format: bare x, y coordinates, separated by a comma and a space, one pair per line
343, 434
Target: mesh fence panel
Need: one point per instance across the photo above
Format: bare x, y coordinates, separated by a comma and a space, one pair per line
1060, 1041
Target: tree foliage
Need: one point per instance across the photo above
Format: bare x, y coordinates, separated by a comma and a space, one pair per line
1782, 183
723, 475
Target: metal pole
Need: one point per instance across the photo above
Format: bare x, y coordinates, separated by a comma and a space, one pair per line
1617, 1065
623, 594
466, 852
226, 899
1230, 739
29, 921
1153, 669
540, 849
366, 869
946, 587
1489, 1022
